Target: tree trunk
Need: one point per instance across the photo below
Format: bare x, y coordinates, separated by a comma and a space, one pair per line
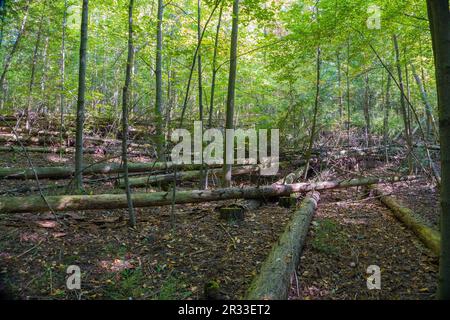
99, 168
439, 19
228, 151
116, 201
338, 66
428, 108
316, 110
403, 105
429, 236
63, 74
158, 74
387, 107
366, 107
33, 70
214, 66
9, 57
81, 97
273, 281
125, 106
181, 175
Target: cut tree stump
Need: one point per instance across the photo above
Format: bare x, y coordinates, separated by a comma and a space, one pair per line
232, 213
116, 201
273, 280
287, 202
429, 236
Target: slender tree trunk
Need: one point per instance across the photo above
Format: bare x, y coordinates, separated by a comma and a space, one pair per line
125, 106
214, 66
315, 112
366, 106
338, 66
428, 107
33, 70
200, 87
15, 46
439, 18
347, 77
402, 103
231, 95
199, 61
81, 97
387, 106
63, 76
158, 74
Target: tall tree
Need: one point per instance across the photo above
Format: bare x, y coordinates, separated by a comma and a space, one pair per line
158, 74
14, 48
403, 107
125, 105
81, 97
214, 66
62, 69
229, 150
439, 19
33, 68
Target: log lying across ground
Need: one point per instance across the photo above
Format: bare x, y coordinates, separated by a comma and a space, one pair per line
273, 280
116, 201
67, 172
100, 168
429, 236
182, 175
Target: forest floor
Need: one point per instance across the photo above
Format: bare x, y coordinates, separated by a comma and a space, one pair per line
352, 230
174, 257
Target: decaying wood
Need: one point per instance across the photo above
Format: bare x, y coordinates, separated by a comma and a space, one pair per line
273, 280
429, 236
113, 201
182, 175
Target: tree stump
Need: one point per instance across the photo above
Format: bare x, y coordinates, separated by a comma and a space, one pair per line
287, 202
232, 213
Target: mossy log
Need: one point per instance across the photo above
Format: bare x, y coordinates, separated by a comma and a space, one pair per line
429, 236
273, 280
182, 175
116, 201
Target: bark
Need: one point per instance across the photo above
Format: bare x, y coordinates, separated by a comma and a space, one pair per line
439, 19
273, 280
387, 107
158, 75
14, 48
402, 104
116, 201
81, 97
33, 70
430, 123
429, 236
315, 112
63, 74
181, 175
231, 93
100, 168
125, 105
366, 106
214, 66
338, 59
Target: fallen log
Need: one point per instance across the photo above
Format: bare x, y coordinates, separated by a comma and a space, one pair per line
116, 201
429, 236
273, 280
182, 175
66, 172
100, 168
